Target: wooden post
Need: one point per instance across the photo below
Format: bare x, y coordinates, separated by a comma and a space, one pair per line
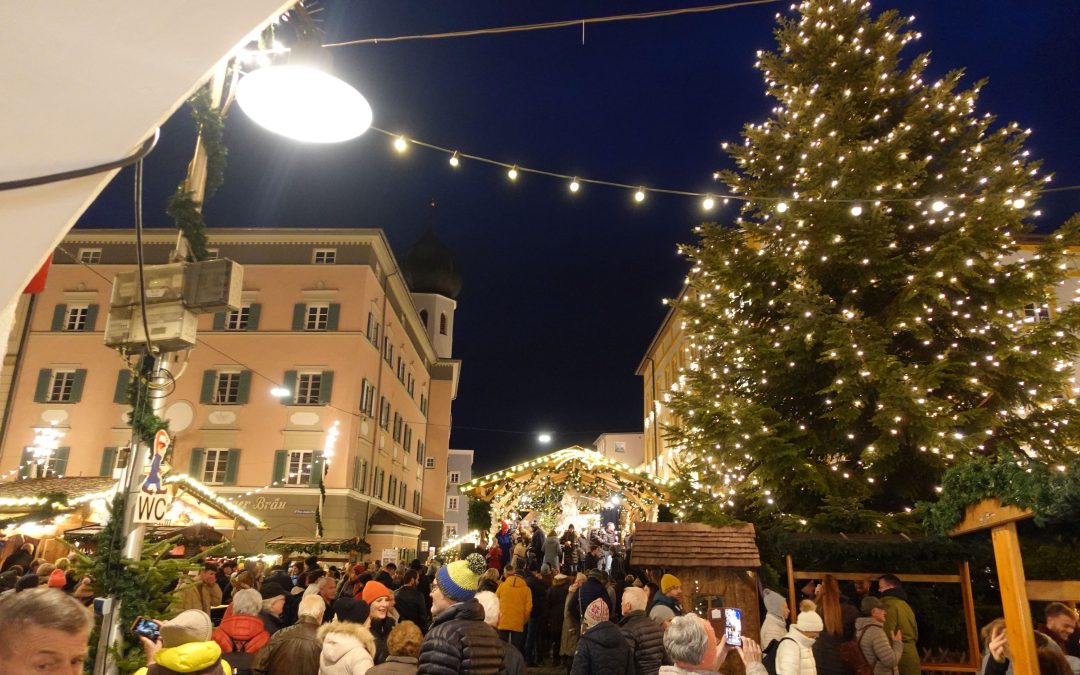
1010, 571
974, 657
792, 607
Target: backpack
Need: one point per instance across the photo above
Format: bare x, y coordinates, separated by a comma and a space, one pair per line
768, 655
851, 654
239, 658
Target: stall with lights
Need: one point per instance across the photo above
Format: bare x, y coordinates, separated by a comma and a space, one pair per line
572, 485
44, 510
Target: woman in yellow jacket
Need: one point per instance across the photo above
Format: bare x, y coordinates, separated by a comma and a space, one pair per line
185, 647
516, 601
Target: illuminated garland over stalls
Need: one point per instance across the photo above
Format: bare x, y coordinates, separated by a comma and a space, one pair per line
356, 544
845, 353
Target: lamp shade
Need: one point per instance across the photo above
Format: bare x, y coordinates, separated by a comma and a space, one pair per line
303, 103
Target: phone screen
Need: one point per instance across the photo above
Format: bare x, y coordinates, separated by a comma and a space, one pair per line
147, 628
733, 626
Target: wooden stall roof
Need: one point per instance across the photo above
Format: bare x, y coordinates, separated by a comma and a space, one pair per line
694, 545
27, 494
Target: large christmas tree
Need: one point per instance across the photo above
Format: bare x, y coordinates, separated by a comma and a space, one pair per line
870, 319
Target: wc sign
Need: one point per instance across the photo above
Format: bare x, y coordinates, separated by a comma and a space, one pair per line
154, 501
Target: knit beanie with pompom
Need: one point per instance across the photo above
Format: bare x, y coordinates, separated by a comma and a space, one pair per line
460, 579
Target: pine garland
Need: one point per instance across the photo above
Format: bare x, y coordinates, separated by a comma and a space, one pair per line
1052, 493
354, 545
142, 418
182, 206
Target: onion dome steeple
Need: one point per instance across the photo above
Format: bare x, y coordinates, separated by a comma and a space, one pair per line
429, 266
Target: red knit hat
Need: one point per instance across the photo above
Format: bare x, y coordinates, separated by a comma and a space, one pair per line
373, 590
58, 579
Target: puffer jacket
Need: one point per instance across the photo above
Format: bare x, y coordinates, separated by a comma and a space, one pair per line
516, 602
460, 642
347, 649
552, 549
241, 633
795, 654
603, 651
899, 615
291, 651
880, 651
772, 628
194, 657
646, 639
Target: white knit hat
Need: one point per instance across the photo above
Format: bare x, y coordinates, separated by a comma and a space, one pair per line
810, 622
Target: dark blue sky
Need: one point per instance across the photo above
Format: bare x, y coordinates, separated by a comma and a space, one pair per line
562, 293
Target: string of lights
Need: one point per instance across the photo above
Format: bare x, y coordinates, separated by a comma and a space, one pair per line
709, 200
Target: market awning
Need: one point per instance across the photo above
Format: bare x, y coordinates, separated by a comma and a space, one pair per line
545, 480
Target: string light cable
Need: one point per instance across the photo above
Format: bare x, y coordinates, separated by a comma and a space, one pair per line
709, 199
147, 146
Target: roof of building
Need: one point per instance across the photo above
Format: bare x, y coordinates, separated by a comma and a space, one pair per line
32, 492
431, 267
674, 545
387, 517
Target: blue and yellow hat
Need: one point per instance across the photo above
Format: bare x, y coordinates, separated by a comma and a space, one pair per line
460, 579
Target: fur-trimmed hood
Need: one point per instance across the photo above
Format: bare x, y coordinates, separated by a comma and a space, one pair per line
339, 638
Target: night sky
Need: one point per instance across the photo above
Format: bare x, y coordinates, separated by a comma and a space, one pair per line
563, 292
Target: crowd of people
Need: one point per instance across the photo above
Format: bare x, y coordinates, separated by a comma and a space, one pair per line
477, 616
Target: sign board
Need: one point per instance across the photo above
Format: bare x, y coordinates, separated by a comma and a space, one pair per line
152, 509
389, 555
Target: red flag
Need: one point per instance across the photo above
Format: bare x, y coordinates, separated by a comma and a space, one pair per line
37, 284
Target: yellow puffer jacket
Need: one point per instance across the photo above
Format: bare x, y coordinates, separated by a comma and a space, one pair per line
515, 601
189, 658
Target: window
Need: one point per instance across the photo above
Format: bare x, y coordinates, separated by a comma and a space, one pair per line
227, 389
62, 386
451, 531
388, 350
399, 427
238, 319
367, 398
416, 501
373, 329
1036, 313
37, 465
361, 476
423, 317
455, 477
451, 503
317, 316
410, 385
213, 254
380, 476
299, 468
423, 405
400, 369
216, 462
308, 386
407, 439
420, 454
442, 324
324, 256
429, 463
620, 446
404, 493
384, 412
75, 317
90, 256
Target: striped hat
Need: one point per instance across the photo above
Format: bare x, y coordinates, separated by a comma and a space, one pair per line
460, 579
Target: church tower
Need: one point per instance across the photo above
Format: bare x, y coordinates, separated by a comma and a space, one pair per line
433, 276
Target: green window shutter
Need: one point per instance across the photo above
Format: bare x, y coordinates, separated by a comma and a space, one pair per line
58, 317
326, 387
232, 463
195, 465
60, 465
332, 316
108, 461
209, 378
299, 313
91, 317
290, 384
356, 473
24, 465
219, 320
44, 379
281, 457
77, 385
244, 390
123, 381
317, 464
253, 316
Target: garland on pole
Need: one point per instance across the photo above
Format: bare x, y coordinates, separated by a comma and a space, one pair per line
182, 206
1052, 492
354, 545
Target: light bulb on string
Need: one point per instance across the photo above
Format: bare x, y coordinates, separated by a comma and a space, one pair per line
639, 196
1019, 203
781, 207
938, 206
708, 203
512, 174
575, 185
454, 160
856, 210
400, 144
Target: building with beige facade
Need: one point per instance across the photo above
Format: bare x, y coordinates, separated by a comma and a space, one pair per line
328, 315
625, 447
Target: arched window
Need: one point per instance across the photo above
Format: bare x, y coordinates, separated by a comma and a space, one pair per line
442, 324
423, 317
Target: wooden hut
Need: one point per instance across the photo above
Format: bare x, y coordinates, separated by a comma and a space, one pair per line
716, 565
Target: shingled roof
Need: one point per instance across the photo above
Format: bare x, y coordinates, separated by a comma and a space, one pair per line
694, 545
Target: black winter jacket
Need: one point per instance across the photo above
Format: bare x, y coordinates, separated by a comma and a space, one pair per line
827, 655
589, 591
460, 643
646, 639
555, 605
603, 650
410, 606
539, 592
